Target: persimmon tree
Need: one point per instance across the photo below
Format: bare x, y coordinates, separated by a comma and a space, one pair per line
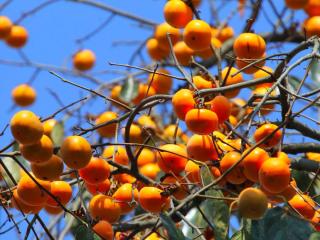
210, 132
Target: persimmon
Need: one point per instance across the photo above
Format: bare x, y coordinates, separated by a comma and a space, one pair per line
144, 91
208, 53
62, 192
135, 133
23, 95
146, 156
147, 122
252, 203
30, 193
152, 200
304, 205
177, 13
311, 26
17, 37
201, 121
26, 127
183, 53
39, 152
288, 193
265, 131
296, 4
104, 230
53, 210
262, 91
162, 84
222, 107
18, 204
171, 158
313, 156
96, 171
49, 170
126, 195
283, 156
263, 73
223, 34
124, 178
183, 102
84, 60
169, 132
252, 163
161, 32
197, 35
274, 175
202, 83
249, 46
193, 172
313, 8
202, 148
104, 208
231, 80
109, 130
236, 175
316, 221
5, 27
75, 152
102, 187
119, 153
178, 183
155, 51
150, 170
243, 63
48, 126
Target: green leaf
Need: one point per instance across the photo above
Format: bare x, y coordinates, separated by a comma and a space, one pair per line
81, 232
315, 71
278, 225
13, 168
195, 217
173, 231
57, 134
218, 211
129, 90
315, 236
294, 82
245, 232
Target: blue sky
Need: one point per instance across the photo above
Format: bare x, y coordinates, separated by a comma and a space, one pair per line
53, 32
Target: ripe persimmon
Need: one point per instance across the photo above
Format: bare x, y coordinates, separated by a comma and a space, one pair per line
304, 205
23, 95
109, 130
62, 192
144, 91
53, 210
75, 152
150, 170
161, 32
202, 83
146, 121
274, 175
222, 107
183, 102
5, 27
223, 34
201, 121
84, 60
249, 46
39, 152
178, 183
193, 172
104, 208
102, 187
49, 170
252, 163
263, 73
313, 8
174, 160
177, 13
22, 206
104, 230
252, 203
146, 156
197, 35
162, 84
311, 26
231, 80
294, 4
135, 133
48, 126
30, 193
169, 132
126, 195
155, 51
26, 127
96, 171
236, 175
202, 148
119, 153
266, 130
243, 63
208, 53
152, 200
17, 37
183, 53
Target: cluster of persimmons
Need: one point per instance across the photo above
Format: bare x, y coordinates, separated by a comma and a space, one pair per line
260, 175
